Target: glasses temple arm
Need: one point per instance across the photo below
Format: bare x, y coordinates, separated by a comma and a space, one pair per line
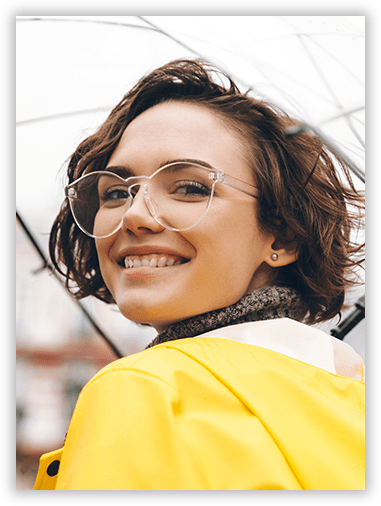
238, 185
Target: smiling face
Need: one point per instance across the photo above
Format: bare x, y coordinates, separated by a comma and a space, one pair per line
159, 276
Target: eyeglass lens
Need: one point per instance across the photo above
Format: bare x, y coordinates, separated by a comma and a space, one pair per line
177, 196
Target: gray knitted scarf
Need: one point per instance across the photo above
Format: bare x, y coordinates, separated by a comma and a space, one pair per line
263, 304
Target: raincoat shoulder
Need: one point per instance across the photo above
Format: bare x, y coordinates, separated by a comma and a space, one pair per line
212, 414
48, 470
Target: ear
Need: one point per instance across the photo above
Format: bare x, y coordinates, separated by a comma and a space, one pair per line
282, 253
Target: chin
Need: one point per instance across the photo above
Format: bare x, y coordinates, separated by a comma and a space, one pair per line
147, 314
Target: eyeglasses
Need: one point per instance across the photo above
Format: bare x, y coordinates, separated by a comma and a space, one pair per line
177, 195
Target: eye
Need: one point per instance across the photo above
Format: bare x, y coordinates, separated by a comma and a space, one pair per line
191, 188
113, 195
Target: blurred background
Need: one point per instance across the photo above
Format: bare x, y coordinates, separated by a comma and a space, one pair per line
70, 72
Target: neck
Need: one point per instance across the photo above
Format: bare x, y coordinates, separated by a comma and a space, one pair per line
262, 304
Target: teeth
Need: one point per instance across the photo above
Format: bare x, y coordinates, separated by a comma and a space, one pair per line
162, 262
151, 261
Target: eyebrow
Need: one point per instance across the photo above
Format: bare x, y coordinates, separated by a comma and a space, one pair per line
191, 160
125, 171
120, 170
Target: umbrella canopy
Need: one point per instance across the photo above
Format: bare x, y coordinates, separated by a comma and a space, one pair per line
71, 70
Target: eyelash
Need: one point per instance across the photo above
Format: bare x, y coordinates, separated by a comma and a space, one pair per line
106, 196
194, 184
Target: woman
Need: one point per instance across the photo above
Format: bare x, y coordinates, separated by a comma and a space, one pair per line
194, 211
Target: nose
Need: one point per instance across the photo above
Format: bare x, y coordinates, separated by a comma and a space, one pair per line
138, 219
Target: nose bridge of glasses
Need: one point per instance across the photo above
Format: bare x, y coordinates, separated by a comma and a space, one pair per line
141, 209
136, 187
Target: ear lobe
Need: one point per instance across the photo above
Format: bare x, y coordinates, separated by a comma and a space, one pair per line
283, 253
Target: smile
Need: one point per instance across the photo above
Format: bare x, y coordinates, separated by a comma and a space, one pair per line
155, 260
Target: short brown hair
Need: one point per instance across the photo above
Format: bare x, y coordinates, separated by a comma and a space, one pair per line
303, 197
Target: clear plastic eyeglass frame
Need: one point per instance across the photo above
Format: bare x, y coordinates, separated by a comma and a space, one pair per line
72, 193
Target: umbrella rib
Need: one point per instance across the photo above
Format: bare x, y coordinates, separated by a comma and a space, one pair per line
348, 118
327, 85
47, 265
61, 115
78, 20
318, 70
342, 114
167, 34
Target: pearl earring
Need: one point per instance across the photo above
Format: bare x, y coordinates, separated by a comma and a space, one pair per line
274, 257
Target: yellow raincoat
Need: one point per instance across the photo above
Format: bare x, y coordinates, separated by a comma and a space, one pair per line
211, 413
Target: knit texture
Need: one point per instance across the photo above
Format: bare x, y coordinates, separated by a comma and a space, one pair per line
263, 304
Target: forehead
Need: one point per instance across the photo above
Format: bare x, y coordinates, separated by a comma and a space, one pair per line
177, 130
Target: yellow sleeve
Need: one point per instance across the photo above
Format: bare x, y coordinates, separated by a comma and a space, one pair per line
126, 434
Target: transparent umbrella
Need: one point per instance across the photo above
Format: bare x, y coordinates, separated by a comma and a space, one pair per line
71, 70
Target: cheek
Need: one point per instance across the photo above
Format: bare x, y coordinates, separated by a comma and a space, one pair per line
228, 250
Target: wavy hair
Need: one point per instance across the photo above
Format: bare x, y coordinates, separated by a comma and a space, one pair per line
307, 196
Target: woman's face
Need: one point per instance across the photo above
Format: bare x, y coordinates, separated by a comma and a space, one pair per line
222, 258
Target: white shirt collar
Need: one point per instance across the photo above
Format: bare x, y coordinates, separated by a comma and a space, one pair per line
296, 340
